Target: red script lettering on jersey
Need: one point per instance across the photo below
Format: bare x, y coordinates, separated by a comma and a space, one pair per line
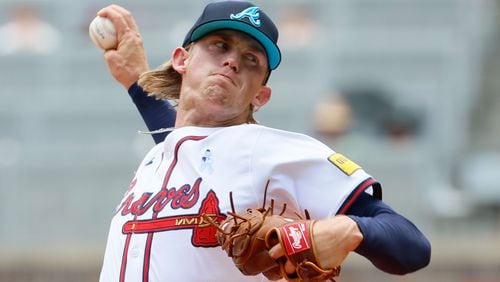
184, 197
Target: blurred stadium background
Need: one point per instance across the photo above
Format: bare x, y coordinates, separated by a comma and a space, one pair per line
419, 78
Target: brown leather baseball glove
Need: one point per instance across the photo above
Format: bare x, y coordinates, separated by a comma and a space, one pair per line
248, 236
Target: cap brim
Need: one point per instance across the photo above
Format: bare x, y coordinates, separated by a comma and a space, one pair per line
273, 52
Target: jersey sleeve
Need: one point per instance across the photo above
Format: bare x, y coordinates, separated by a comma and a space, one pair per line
306, 172
390, 241
156, 114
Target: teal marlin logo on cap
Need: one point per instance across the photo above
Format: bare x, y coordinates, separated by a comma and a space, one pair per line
252, 13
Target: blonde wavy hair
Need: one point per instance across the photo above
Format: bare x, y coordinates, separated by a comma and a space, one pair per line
162, 83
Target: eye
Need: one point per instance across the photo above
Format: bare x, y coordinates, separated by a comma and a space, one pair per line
221, 45
252, 58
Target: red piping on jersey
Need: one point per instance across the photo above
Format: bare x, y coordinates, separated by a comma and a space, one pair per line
147, 251
124, 256
149, 240
377, 193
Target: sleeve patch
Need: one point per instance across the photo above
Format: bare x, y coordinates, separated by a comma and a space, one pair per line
343, 163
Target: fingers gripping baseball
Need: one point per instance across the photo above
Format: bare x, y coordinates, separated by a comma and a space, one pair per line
128, 61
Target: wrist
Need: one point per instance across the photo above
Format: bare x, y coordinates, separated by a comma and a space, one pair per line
335, 238
355, 234
343, 228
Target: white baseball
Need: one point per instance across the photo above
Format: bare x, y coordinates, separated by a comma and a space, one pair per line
103, 33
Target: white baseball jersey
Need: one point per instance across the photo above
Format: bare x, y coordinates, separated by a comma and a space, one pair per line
157, 233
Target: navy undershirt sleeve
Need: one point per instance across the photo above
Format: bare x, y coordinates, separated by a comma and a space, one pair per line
390, 241
156, 114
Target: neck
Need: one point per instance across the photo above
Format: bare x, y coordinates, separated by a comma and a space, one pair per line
192, 118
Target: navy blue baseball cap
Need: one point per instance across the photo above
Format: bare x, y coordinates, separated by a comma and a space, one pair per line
241, 16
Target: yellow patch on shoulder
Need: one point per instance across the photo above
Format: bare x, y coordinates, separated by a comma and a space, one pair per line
343, 163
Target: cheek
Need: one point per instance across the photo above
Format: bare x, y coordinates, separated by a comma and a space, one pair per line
194, 74
197, 60
247, 99
254, 87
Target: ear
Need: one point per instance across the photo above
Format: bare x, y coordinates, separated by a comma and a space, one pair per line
179, 59
261, 98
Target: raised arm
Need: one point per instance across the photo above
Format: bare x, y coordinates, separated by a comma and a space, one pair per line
156, 114
127, 62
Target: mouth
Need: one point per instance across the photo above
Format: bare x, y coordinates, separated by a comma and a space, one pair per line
225, 77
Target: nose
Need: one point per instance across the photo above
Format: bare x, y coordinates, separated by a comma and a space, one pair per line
231, 61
